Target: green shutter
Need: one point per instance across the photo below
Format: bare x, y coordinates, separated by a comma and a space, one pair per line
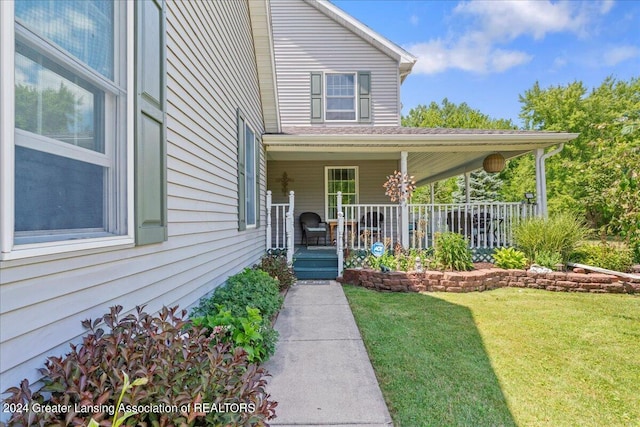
242, 208
150, 123
316, 98
364, 96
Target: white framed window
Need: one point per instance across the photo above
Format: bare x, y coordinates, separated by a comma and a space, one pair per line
339, 178
250, 174
340, 97
69, 125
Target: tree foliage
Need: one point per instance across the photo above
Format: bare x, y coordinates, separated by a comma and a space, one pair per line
450, 115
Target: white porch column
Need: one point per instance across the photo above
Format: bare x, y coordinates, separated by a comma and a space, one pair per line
467, 187
541, 179
404, 210
290, 229
269, 202
540, 176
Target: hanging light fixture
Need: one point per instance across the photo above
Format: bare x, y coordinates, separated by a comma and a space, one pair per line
493, 163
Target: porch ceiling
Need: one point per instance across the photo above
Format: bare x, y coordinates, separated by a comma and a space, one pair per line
434, 153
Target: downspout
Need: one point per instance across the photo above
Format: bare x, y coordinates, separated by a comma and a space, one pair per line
542, 180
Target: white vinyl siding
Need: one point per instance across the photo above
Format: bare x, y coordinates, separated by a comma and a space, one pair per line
306, 41
211, 72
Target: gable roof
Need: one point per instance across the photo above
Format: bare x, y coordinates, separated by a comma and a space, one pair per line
404, 58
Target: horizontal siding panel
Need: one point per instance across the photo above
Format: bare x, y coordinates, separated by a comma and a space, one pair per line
306, 40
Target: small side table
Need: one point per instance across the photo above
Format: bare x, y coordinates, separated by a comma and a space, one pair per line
333, 224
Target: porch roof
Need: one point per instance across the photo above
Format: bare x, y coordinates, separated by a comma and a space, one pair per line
434, 153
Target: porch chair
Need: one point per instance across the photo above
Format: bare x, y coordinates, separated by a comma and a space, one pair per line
460, 222
372, 223
481, 226
312, 226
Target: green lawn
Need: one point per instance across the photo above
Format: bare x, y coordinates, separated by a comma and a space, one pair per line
504, 357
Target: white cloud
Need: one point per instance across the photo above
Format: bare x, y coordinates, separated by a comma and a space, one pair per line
620, 54
488, 27
414, 19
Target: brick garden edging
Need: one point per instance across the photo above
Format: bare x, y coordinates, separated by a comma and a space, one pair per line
486, 279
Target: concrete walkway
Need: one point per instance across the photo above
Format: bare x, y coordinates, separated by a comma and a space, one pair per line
321, 374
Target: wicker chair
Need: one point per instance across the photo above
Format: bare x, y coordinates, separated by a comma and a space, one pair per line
312, 226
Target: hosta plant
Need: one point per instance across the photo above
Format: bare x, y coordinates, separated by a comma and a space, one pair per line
509, 258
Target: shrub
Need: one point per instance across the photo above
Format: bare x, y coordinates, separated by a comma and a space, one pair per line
249, 288
249, 332
452, 252
510, 258
548, 259
605, 255
182, 366
558, 234
277, 267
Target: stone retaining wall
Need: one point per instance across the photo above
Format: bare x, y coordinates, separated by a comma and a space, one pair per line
481, 280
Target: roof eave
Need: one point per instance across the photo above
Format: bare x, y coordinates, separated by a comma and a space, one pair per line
414, 142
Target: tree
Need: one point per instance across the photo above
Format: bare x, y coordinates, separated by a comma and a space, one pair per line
581, 178
483, 187
450, 115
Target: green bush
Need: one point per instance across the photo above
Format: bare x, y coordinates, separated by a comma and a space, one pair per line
452, 252
558, 234
249, 288
605, 255
277, 267
180, 362
509, 258
548, 259
249, 332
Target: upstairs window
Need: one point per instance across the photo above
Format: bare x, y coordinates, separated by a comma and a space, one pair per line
341, 97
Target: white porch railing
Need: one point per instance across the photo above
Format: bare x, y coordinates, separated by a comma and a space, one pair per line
485, 225
280, 225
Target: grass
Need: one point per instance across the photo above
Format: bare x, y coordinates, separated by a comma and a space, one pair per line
505, 357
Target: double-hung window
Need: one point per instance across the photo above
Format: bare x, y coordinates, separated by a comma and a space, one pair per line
340, 179
70, 99
341, 97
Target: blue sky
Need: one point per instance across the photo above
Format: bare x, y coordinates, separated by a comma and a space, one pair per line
487, 53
